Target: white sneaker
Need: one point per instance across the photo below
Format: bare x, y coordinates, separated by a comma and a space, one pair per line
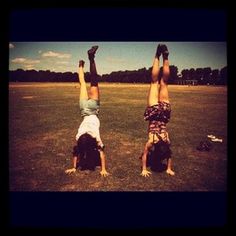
217, 140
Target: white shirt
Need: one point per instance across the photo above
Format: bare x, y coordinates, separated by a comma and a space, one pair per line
90, 125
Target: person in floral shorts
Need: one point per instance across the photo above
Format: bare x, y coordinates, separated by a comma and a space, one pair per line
158, 114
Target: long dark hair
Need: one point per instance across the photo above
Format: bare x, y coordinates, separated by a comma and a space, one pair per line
160, 151
88, 153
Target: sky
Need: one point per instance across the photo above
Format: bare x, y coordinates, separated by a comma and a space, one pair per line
113, 56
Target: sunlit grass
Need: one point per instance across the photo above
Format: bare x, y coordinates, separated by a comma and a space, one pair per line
44, 118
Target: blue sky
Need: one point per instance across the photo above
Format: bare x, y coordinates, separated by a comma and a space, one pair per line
113, 56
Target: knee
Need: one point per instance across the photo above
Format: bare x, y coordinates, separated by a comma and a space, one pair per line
94, 83
165, 77
154, 78
163, 81
166, 74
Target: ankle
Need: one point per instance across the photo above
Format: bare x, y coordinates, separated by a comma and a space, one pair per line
81, 63
91, 58
165, 55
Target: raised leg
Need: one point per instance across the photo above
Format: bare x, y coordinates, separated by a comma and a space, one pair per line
153, 90
163, 94
94, 89
83, 88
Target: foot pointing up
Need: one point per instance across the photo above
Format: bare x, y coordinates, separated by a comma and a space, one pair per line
91, 52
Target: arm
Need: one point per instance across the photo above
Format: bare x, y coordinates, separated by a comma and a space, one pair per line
103, 172
72, 170
145, 172
167, 137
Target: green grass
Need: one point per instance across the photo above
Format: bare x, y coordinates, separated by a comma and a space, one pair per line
43, 122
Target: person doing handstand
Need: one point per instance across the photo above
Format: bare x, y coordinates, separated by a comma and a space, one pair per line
158, 114
89, 151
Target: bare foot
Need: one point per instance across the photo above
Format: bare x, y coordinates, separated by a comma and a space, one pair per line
170, 172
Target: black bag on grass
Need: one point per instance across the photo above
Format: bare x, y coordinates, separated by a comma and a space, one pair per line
204, 146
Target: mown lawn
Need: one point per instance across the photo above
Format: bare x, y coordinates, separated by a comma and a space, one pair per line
44, 118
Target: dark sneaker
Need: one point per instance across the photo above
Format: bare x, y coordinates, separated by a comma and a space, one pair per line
159, 50
92, 51
165, 52
81, 63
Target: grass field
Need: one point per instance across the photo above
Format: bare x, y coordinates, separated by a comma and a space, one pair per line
44, 118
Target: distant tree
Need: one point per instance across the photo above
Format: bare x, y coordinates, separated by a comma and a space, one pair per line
185, 74
199, 75
17, 75
105, 78
214, 76
142, 75
223, 76
206, 75
173, 74
192, 73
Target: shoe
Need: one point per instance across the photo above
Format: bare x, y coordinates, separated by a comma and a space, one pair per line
81, 63
159, 50
211, 136
217, 140
92, 51
165, 52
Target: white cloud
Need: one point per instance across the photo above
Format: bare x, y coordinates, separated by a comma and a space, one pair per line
11, 45
25, 61
19, 60
29, 67
62, 62
56, 54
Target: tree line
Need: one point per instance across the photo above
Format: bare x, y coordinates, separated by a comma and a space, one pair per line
200, 75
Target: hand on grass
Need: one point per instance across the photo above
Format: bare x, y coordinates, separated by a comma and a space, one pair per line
170, 172
69, 171
104, 173
146, 173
